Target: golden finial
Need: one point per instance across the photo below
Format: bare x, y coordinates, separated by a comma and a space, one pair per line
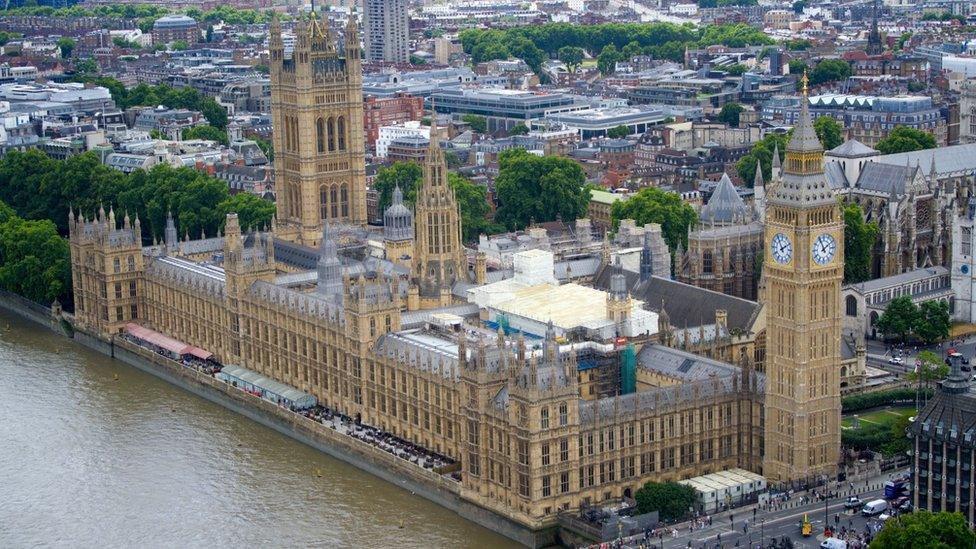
805, 81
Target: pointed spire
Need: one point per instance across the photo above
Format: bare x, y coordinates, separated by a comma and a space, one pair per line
777, 163
804, 135
757, 181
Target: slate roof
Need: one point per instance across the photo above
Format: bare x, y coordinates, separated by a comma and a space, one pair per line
685, 304
957, 159
681, 364
852, 148
885, 178
951, 414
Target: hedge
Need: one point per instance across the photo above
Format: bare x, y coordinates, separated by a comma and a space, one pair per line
856, 403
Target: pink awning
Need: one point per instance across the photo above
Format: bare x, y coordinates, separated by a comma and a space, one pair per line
172, 345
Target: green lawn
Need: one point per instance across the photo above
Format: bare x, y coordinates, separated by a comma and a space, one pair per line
883, 416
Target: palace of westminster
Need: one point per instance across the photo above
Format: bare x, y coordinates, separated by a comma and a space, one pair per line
554, 384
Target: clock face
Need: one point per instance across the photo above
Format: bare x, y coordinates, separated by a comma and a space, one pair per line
781, 248
824, 248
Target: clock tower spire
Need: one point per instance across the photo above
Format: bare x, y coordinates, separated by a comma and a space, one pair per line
803, 270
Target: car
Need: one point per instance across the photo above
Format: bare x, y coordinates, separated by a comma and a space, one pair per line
906, 507
833, 543
897, 502
853, 502
965, 368
895, 360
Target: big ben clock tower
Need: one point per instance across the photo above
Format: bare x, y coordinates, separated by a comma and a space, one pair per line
804, 268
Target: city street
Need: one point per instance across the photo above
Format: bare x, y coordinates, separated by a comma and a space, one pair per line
744, 529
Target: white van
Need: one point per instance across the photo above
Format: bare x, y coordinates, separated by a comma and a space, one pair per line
833, 543
875, 507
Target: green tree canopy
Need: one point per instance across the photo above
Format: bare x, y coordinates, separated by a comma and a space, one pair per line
538, 188
472, 198
930, 368
763, 152
151, 96
671, 500
618, 132
652, 205
905, 139
738, 69
925, 529
253, 212
519, 129
859, 240
477, 123
572, 56
830, 70
730, 114
66, 45
606, 62
829, 131
797, 66
933, 321
898, 318
206, 132
35, 261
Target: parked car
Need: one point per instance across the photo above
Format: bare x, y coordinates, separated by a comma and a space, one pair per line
895, 360
853, 502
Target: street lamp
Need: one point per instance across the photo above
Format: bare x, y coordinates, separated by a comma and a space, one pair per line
762, 532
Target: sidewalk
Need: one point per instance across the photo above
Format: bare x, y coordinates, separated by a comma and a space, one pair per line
721, 523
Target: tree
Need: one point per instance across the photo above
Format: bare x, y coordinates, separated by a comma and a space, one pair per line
799, 6
618, 132
829, 70
210, 33
730, 114
66, 45
738, 69
905, 139
86, 66
477, 123
930, 368
253, 212
859, 240
180, 45
606, 62
942, 530
933, 321
762, 151
538, 188
898, 318
209, 133
35, 261
572, 56
405, 174
829, 131
671, 500
472, 198
653, 205
417, 60
473, 204
267, 147
797, 66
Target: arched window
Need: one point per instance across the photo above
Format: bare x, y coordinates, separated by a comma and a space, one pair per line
323, 203
334, 201
707, 262
344, 201
320, 135
341, 132
851, 302
331, 134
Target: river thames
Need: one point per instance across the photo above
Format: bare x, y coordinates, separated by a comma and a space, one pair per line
94, 453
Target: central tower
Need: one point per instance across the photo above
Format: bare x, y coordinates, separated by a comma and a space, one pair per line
804, 268
317, 112
439, 258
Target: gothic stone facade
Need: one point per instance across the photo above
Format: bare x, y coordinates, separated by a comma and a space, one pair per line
317, 112
527, 443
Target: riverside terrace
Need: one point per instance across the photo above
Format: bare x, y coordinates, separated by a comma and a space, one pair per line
341, 423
